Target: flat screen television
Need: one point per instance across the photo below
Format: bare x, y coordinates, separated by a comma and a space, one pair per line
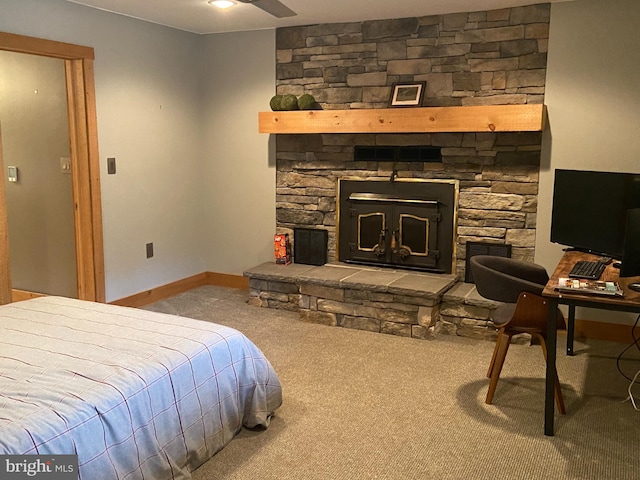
590, 209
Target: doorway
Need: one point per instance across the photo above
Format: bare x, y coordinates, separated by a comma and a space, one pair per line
84, 176
38, 187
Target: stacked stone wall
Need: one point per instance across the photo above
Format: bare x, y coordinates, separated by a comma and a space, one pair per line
393, 302
477, 58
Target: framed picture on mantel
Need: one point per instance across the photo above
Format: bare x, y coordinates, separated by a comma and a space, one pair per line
407, 94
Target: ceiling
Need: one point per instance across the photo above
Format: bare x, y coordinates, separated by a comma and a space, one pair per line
198, 16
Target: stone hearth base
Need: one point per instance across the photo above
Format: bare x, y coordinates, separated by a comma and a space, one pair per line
397, 302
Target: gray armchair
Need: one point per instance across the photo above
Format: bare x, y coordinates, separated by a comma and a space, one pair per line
518, 285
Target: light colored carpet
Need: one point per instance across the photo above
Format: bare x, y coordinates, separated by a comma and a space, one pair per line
361, 405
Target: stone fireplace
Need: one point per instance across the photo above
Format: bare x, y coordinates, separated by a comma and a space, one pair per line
497, 194
466, 59
477, 58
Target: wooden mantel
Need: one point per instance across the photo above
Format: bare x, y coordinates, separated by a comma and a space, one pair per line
489, 118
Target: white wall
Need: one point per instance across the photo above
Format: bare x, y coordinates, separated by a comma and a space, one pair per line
179, 113
238, 82
593, 101
147, 93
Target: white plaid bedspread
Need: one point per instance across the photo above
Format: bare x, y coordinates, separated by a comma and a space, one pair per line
135, 394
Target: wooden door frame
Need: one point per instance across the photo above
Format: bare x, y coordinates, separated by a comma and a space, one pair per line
83, 136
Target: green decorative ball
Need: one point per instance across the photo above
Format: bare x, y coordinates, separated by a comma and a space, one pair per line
276, 103
306, 102
289, 102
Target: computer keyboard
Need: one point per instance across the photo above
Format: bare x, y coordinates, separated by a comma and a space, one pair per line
587, 269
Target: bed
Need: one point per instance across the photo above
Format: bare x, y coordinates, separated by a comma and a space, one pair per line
134, 394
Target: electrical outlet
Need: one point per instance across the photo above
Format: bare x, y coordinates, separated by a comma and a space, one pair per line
149, 250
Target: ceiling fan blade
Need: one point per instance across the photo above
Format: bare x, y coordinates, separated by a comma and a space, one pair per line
274, 7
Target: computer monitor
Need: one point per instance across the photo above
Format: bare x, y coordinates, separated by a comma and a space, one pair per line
589, 209
630, 266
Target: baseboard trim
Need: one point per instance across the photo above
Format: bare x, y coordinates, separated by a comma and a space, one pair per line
614, 332
164, 291
20, 295
226, 280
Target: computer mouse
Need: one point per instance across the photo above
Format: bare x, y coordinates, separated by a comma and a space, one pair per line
634, 286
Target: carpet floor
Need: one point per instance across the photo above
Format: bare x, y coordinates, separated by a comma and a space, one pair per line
362, 405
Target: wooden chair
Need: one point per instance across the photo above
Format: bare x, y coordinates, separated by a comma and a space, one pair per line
518, 285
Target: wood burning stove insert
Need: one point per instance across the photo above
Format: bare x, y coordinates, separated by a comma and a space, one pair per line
407, 223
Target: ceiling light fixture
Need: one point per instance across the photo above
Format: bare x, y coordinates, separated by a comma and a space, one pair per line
222, 3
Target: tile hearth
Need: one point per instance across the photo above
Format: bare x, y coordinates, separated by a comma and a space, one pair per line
376, 299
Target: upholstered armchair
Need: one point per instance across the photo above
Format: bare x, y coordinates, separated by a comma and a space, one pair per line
518, 285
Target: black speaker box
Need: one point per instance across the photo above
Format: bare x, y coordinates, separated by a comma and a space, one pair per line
484, 248
310, 246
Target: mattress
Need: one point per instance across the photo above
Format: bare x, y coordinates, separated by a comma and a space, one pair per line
134, 394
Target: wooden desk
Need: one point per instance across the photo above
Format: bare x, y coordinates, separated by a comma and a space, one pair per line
629, 303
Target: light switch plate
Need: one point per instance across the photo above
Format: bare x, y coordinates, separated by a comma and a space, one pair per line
12, 173
65, 165
111, 165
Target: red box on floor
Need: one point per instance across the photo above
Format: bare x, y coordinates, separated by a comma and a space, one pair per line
282, 248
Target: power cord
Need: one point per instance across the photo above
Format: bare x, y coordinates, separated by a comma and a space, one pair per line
636, 343
630, 397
